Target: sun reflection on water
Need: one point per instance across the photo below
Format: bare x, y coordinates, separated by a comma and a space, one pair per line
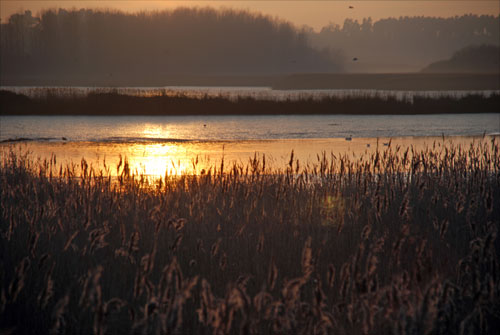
156, 131
161, 159
180, 158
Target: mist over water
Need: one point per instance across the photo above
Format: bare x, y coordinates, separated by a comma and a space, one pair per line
406, 44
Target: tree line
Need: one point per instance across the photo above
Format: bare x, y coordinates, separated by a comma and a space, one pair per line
182, 41
190, 41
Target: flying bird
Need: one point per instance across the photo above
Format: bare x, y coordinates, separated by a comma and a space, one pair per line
351, 7
355, 59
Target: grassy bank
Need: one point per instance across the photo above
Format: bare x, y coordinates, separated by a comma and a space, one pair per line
394, 243
118, 104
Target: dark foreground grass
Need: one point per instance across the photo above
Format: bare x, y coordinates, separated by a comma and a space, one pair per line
394, 243
110, 103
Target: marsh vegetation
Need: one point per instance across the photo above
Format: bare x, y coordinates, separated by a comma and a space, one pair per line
390, 243
59, 102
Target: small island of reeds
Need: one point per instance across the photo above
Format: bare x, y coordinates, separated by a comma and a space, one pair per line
391, 243
52, 102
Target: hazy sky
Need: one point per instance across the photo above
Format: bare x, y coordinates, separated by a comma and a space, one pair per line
315, 14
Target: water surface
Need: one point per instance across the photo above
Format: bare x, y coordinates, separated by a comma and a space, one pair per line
158, 129
159, 145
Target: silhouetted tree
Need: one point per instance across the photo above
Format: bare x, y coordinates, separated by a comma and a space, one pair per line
101, 44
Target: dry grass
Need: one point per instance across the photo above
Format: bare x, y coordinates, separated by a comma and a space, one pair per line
394, 243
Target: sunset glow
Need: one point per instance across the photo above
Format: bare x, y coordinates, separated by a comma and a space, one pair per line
259, 167
315, 14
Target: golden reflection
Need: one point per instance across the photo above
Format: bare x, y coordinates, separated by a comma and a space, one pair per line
178, 158
160, 159
155, 131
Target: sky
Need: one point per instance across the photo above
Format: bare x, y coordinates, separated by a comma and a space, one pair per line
315, 14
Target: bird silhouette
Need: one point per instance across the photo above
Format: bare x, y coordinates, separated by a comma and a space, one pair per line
351, 7
355, 59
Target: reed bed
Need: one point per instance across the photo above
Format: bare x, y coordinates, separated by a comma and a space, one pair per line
392, 243
67, 101
233, 93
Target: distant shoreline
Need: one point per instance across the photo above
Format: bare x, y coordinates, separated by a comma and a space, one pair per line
112, 103
376, 81
119, 104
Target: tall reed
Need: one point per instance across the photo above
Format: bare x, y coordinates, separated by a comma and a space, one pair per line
394, 243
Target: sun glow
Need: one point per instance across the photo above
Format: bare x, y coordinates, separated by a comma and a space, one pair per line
154, 160
156, 131
315, 14
160, 159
